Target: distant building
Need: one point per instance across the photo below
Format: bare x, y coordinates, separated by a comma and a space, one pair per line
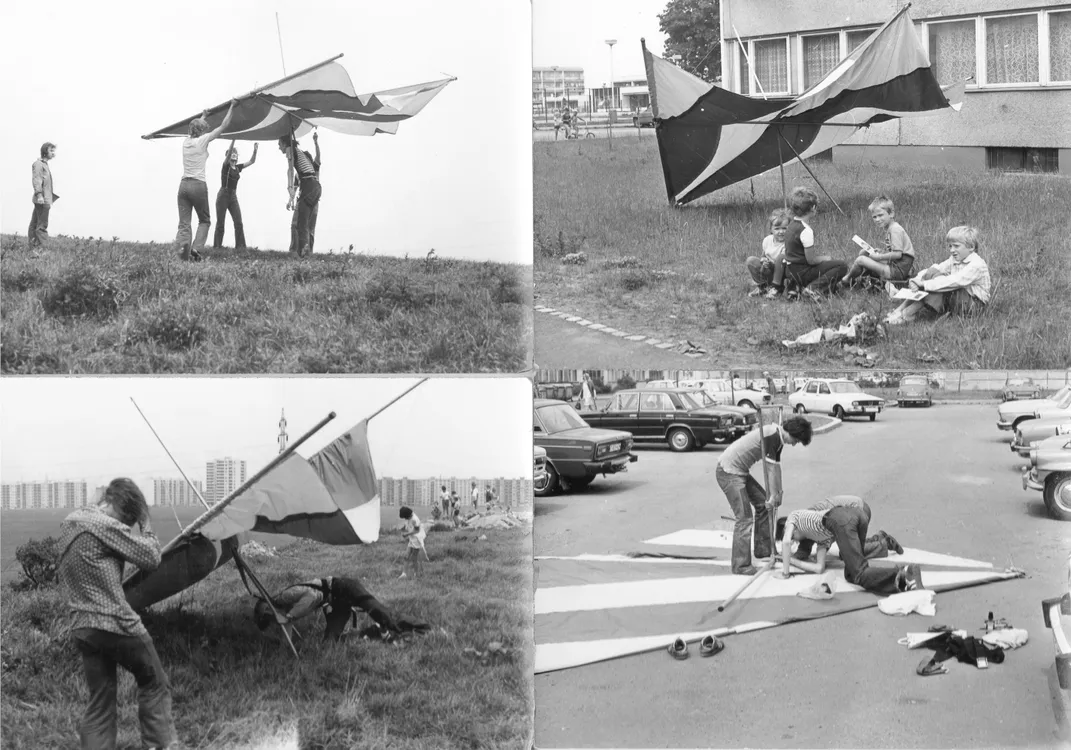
222, 477
176, 492
1014, 54
554, 87
425, 492
42, 495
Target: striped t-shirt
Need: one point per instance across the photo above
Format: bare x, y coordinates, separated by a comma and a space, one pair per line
303, 165
739, 457
810, 522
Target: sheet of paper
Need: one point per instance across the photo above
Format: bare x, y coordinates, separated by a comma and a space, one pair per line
863, 244
904, 293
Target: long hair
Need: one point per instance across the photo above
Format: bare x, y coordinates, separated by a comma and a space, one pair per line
198, 127
125, 497
45, 147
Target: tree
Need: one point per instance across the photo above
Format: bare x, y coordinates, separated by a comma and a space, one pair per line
693, 31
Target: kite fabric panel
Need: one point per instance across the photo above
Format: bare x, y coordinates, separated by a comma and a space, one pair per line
591, 608
331, 497
321, 97
710, 138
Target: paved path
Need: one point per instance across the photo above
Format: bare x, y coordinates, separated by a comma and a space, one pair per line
940, 479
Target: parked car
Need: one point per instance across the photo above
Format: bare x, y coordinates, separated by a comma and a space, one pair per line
1050, 474
672, 415
539, 465
914, 389
644, 119
744, 418
576, 452
1010, 414
837, 397
723, 393
1017, 388
1033, 431
1055, 611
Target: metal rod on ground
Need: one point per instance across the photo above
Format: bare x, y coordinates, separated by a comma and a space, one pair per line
219, 507
812, 174
188, 482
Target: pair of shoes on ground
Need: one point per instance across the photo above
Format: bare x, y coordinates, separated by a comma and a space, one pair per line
909, 578
708, 646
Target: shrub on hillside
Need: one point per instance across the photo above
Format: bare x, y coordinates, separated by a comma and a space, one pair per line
82, 293
39, 559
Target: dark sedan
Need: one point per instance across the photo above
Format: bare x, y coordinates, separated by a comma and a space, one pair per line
677, 416
576, 451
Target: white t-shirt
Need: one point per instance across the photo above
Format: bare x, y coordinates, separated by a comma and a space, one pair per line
194, 156
417, 539
772, 249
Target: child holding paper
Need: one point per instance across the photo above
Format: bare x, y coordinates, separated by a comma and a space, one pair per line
898, 259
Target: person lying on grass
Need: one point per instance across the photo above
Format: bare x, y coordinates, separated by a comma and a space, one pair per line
768, 271
959, 284
808, 268
844, 519
340, 598
898, 259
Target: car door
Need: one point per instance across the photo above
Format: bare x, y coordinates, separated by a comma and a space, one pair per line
809, 396
655, 411
621, 413
824, 400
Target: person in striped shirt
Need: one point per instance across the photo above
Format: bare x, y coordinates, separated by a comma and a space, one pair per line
844, 519
302, 174
751, 505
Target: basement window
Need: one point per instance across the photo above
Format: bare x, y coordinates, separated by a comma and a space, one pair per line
1022, 159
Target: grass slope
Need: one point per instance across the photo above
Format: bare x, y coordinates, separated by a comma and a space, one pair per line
94, 306
233, 687
679, 273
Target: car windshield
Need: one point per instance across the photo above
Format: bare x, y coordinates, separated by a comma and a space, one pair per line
1065, 402
844, 388
1060, 394
695, 399
914, 381
560, 417
1020, 381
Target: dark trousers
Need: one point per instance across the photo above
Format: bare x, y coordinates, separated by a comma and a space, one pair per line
849, 527
957, 301
192, 196
37, 235
227, 200
312, 230
101, 653
748, 501
348, 594
307, 207
821, 275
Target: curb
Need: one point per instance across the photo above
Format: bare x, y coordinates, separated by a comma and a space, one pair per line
636, 337
827, 427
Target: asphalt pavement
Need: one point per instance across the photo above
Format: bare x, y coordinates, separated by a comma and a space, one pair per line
940, 479
559, 343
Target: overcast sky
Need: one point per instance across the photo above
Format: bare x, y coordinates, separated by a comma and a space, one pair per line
87, 428
574, 33
94, 77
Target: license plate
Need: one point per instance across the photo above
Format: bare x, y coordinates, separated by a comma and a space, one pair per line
870, 408
614, 448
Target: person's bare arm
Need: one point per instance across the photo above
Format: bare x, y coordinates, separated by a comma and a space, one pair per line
253, 158
212, 135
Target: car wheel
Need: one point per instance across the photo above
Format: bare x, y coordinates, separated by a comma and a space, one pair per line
1037, 394
800, 409
900, 404
680, 440
549, 485
590, 135
838, 411
1057, 495
747, 403
873, 417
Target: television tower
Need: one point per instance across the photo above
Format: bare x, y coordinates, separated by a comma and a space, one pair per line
282, 431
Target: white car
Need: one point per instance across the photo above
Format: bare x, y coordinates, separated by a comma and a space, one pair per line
1011, 413
1033, 431
723, 393
539, 465
837, 397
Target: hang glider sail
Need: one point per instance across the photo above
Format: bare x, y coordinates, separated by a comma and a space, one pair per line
320, 96
710, 138
591, 608
332, 497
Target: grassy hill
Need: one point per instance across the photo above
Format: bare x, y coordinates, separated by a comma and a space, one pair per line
87, 305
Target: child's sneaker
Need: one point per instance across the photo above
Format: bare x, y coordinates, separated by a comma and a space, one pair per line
910, 578
773, 293
792, 295
756, 292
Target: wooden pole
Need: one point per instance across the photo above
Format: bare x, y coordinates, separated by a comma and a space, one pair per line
812, 174
394, 400
188, 482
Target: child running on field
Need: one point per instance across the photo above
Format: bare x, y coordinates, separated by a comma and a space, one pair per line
898, 259
414, 532
768, 271
958, 285
806, 266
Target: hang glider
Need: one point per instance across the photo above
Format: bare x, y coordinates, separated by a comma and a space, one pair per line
710, 138
320, 96
591, 608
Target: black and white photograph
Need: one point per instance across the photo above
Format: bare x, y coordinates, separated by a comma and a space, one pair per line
168, 546
244, 187
800, 559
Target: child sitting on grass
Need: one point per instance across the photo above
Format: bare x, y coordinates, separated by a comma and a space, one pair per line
414, 532
806, 266
898, 260
958, 285
768, 271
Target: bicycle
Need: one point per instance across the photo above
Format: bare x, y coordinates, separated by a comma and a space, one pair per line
573, 133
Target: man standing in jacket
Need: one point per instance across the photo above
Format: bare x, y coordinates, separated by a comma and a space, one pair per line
43, 197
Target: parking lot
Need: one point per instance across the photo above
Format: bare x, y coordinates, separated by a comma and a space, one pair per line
941, 479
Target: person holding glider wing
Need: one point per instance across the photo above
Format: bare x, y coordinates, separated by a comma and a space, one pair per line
302, 174
227, 197
193, 189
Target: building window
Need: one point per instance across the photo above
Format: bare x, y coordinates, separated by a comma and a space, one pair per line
1022, 159
820, 55
1011, 49
952, 51
745, 71
1060, 47
855, 38
770, 58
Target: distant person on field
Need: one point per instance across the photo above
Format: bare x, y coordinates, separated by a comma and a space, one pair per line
193, 189
807, 267
444, 499
960, 284
94, 543
43, 197
768, 271
227, 197
587, 393
303, 184
455, 504
475, 496
898, 259
414, 532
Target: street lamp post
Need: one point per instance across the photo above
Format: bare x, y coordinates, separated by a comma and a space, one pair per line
613, 99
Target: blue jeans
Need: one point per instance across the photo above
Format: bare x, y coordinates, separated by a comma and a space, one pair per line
37, 235
748, 501
849, 527
101, 653
192, 196
307, 207
227, 200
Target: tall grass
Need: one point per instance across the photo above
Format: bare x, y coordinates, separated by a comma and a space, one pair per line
94, 306
684, 270
233, 687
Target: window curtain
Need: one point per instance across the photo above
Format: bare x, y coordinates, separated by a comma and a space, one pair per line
745, 71
855, 38
1060, 46
820, 55
1011, 49
771, 65
952, 51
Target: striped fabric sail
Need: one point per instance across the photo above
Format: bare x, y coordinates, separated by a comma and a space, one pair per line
710, 138
590, 608
322, 96
332, 497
